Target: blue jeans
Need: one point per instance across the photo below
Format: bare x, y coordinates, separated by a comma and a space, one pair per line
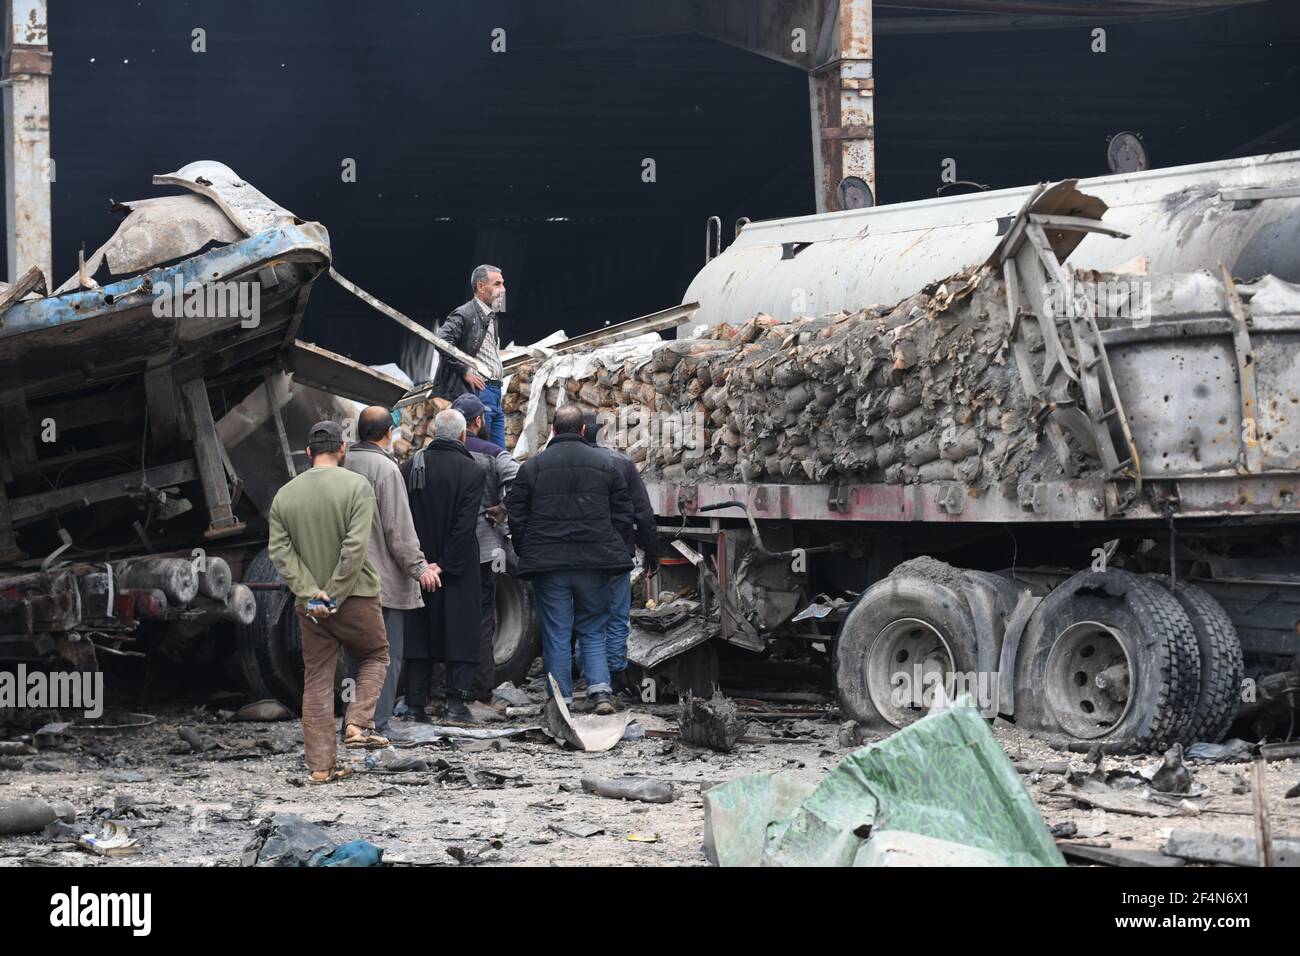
492, 413
617, 627
569, 600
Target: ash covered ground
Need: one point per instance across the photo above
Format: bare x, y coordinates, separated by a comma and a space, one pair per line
508, 801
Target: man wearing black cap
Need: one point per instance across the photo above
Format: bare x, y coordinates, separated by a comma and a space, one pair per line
499, 470
319, 530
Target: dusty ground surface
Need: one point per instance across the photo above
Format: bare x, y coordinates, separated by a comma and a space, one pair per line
499, 803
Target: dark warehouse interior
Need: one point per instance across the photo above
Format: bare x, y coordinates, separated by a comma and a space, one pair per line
532, 159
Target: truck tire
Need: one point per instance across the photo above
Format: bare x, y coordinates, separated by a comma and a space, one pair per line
270, 650
1222, 668
517, 640
1109, 656
902, 634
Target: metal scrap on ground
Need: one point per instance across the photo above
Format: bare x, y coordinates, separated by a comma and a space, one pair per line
944, 777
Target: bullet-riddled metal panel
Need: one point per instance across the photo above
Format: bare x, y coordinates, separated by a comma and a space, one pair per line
1179, 380
1178, 384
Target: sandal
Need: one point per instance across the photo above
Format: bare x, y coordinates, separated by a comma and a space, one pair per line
336, 773
365, 739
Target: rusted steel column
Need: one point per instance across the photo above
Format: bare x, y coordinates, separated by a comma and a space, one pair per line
842, 92
28, 171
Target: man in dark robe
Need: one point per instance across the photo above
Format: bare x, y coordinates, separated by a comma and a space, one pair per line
446, 488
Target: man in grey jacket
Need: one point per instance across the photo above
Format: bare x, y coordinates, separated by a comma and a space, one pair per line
500, 468
393, 548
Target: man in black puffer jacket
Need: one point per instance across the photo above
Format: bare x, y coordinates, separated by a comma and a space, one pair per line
570, 519
618, 625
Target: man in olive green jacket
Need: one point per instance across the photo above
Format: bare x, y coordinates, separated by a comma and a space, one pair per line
319, 530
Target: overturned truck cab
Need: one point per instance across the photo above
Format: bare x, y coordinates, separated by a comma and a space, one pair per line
146, 423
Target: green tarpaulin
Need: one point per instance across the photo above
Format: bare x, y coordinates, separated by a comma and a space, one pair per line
944, 777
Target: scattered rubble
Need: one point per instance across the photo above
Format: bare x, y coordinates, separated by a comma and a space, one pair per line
710, 723
263, 710
32, 814
944, 777
446, 796
631, 788
590, 732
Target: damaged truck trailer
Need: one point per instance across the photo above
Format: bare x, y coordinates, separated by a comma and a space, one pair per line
146, 423
1057, 468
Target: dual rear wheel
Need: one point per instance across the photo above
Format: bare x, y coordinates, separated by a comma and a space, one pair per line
1108, 656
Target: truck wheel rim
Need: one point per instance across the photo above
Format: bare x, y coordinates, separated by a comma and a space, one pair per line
907, 661
510, 619
1089, 679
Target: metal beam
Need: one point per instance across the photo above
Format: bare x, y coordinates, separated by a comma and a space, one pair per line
654, 322
105, 489
28, 170
383, 308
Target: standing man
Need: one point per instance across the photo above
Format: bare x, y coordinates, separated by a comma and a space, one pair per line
320, 525
570, 515
642, 533
474, 329
393, 548
446, 488
499, 470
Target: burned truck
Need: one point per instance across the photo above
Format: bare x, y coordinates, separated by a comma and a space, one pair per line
148, 408
1038, 445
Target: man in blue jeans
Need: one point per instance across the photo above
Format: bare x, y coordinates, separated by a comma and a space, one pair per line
474, 328
617, 623
570, 515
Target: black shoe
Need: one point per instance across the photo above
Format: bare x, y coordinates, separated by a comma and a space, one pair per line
458, 713
624, 693
603, 703
418, 715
